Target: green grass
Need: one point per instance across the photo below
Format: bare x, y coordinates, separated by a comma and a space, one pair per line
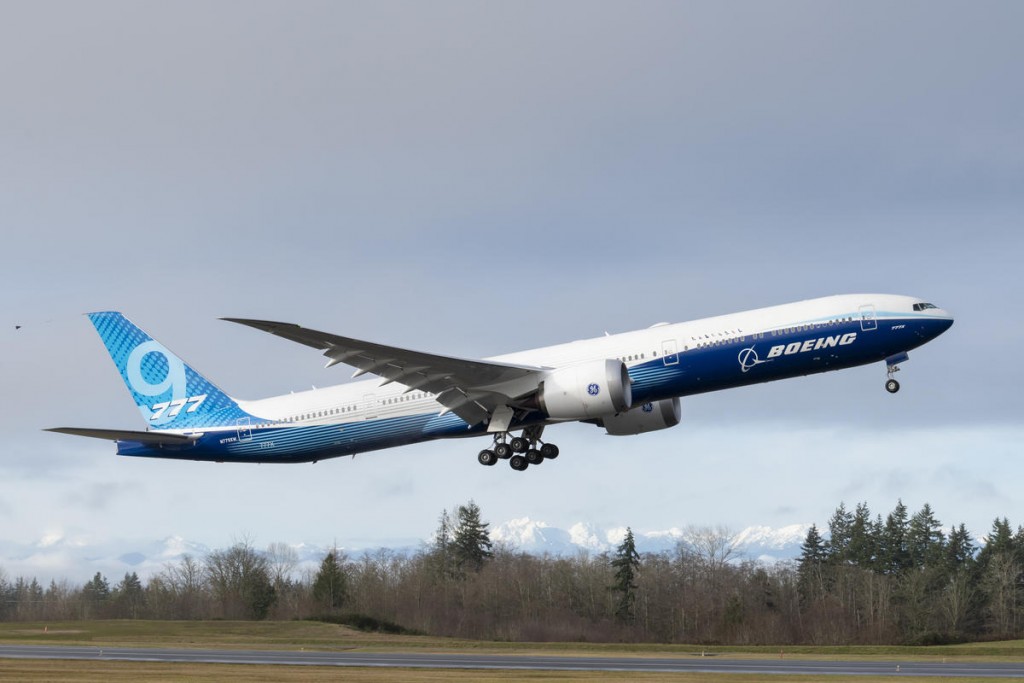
115, 672
322, 636
313, 635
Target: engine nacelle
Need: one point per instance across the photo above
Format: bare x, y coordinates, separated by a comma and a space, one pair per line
587, 390
648, 417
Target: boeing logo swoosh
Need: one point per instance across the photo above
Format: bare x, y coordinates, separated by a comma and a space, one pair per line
748, 359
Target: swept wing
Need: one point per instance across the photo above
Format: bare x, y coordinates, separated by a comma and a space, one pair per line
472, 389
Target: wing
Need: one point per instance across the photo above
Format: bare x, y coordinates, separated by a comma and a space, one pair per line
472, 389
155, 438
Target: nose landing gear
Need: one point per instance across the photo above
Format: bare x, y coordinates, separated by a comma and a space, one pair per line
891, 368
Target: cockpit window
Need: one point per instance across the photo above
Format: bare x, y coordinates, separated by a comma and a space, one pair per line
924, 307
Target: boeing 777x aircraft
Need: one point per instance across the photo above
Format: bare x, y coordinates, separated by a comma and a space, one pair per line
626, 383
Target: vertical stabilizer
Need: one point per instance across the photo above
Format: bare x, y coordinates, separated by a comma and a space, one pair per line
170, 394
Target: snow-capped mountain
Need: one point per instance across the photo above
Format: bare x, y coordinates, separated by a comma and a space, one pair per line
77, 559
756, 543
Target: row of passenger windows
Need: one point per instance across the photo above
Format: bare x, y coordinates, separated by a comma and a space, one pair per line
718, 338
404, 398
810, 326
322, 413
342, 410
716, 335
721, 338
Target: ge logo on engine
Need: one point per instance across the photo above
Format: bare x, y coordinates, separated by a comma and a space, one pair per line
593, 389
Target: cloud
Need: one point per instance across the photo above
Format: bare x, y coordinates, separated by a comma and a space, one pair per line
475, 180
101, 497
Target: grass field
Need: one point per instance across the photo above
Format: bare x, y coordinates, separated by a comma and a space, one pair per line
297, 635
117, 672
311, 635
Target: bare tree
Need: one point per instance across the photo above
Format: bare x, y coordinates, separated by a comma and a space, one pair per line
239, 578
282, 561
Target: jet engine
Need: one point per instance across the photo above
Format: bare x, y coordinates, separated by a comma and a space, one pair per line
648, 417
588, 390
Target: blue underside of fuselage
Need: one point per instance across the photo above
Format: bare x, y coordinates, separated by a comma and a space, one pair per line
698, 370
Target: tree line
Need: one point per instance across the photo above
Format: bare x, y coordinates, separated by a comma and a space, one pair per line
904, 579
897, 579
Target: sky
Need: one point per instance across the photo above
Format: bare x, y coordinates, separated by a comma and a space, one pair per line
475, 179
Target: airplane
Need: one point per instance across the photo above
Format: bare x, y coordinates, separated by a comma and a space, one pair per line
626, 384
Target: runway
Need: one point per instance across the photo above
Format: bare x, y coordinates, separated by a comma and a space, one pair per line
694, 664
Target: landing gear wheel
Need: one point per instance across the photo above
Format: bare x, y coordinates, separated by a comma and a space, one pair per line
518, 463
892, 386
519, 444
534, 457
487, 458
503, 451
549, 451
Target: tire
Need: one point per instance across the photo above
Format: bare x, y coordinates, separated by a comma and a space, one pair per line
549, 451
534, 457
892, 386
503, 451
487, 458
518, 463
519, 444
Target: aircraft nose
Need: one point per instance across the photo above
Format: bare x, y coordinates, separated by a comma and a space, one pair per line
945, 320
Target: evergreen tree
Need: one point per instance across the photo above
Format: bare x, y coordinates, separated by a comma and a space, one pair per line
130, 596
95, 594
626, 564
444, 547
810, 568
839, 532
1000, 579
471, 541
925, 540
330, 587
98, 589
863, 546
998, 542
893, 543
960, 549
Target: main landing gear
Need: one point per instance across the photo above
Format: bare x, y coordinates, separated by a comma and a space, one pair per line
520, 451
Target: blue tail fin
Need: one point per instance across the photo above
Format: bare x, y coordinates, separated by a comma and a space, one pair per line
168, 392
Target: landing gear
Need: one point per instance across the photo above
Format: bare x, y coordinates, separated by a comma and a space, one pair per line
891, 385
520, 451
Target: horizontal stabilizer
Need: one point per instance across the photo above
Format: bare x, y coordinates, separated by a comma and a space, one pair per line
155, 438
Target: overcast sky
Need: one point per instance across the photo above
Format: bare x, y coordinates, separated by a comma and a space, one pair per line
479, 178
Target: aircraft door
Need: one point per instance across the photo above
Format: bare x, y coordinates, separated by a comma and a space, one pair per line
868, 321
669, 352
244, 429
370, 401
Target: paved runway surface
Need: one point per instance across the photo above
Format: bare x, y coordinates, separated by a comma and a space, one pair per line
695, 664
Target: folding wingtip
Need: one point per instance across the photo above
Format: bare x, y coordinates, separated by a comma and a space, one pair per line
268, 325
